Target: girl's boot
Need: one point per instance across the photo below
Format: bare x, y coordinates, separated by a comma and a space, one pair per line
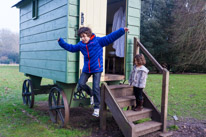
139, 105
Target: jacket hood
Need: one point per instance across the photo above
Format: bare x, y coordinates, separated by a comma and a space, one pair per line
91, 38
143, 68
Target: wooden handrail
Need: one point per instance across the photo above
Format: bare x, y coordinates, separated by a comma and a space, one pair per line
165, 81
146, 52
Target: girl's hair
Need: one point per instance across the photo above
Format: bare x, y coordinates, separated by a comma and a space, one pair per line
140, 59
85, 30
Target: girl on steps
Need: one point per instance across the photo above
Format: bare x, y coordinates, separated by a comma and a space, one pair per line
138, 79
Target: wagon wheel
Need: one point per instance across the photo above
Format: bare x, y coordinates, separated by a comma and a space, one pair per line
58, 106
27, 93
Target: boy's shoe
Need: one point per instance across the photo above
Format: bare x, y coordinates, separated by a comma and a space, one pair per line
96, 112
91, 100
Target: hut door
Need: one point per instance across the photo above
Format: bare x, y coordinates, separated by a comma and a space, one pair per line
93, 15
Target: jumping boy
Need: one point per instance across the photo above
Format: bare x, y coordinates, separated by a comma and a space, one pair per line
92, 49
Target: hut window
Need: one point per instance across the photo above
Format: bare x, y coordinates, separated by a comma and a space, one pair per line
34, 9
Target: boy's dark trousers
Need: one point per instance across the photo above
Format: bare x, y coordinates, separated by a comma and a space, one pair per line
96, 90
138, 94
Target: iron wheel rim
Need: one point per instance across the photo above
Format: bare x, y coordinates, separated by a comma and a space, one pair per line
27, 93
58, 106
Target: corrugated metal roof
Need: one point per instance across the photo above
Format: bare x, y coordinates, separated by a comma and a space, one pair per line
19, 3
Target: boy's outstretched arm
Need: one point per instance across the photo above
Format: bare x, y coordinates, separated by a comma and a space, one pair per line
110, 38
69, 47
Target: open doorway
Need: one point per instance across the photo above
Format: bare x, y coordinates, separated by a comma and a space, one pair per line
114, 62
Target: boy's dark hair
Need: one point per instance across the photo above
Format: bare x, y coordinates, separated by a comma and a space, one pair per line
140, 59
85, 30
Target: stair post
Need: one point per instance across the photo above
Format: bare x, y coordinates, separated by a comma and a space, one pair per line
164, 103
103, 109
136, 47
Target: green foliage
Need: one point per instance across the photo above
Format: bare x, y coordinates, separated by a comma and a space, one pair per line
9, 47
173, 127
142, 120
156, 20
9, 58
189, 37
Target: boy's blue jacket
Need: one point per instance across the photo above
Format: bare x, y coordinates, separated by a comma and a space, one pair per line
93, 50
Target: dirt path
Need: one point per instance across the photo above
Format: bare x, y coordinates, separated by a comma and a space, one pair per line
81, 118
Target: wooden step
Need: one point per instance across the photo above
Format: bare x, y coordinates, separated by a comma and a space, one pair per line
121, 90
146, 127
126, 101
137, 115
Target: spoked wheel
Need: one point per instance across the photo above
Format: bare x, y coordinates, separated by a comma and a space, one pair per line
58, 107
79, 95
27, 93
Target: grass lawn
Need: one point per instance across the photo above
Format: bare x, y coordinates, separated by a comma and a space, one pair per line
15, 118
187, 94
187, 98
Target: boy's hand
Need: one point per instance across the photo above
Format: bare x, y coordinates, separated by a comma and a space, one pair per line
126, 29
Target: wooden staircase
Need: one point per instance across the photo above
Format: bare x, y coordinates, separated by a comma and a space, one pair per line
119, 98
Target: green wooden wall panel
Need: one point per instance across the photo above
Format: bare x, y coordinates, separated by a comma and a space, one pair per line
45, 55
130, 38
44, 9
134, 12
26, 17
134, 30
134, 21
130, 67
45, 27
128, 74
52, 5
73, 10
134, 3
40, 53
25, 9
72, 77
72, 33
129, 58
44, 64
47, 36
129, 48
72, 67
74, 2
73, 25
73, 56
73, 22
41, 46
73, 41
55, 14
54, 75
43, 2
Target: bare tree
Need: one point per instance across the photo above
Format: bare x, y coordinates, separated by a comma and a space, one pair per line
190, 33
9, 41
9, 46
